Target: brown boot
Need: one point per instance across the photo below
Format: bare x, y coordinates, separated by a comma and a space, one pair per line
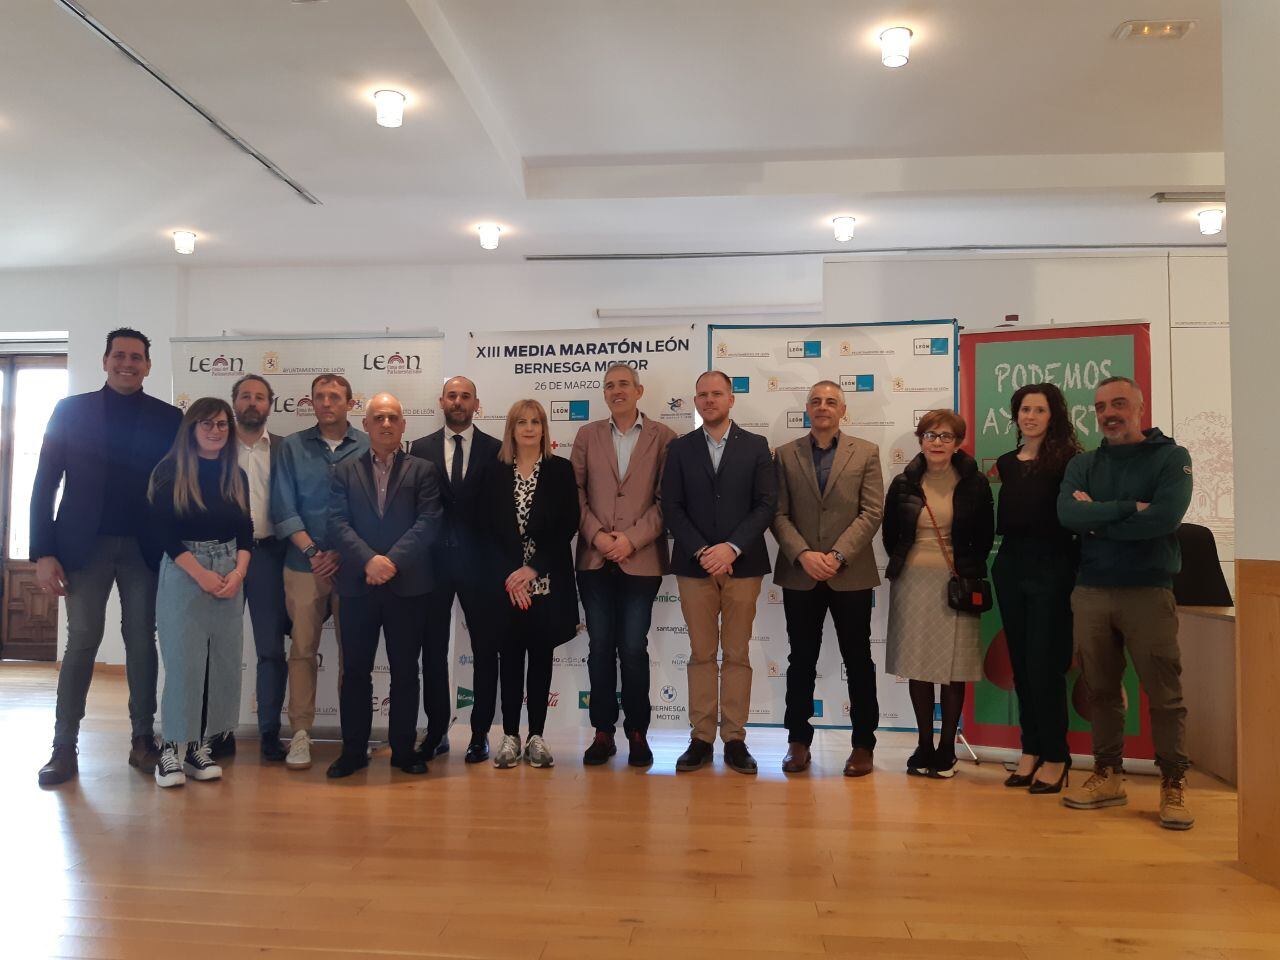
144, 754
797, 758
62, 766
859, 763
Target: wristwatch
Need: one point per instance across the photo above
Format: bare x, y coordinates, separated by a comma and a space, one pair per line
311, 550
840, 558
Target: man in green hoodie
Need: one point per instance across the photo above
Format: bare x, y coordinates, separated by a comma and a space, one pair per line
1126, 500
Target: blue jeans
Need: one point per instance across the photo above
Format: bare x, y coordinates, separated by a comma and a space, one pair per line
619, 608
199, 632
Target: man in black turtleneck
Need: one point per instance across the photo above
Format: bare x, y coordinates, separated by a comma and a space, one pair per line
102, 446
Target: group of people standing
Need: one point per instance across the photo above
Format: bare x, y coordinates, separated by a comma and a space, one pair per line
336, 521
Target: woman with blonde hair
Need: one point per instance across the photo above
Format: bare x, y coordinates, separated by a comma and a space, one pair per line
529, 509
200, 507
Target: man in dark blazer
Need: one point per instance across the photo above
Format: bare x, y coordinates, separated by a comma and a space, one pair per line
101, 447
258, 450
461, 453
830, 501
719, 491
383, 515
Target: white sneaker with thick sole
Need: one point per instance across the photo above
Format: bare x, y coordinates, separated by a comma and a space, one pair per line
169, 767
536, 753
299, 757
200, 765
508, 754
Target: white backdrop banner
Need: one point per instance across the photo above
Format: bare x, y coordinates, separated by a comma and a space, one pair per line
405, 364
564, 371
891, 374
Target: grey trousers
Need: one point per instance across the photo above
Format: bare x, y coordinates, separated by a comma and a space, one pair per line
118, 561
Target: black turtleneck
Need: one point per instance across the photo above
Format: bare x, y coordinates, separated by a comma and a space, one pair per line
125, 481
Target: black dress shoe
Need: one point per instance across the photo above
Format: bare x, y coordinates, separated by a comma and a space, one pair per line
144, 754
697, 755
1017, 779
273, 751
639, 755
62, 766
737, 757
441, 748
223, 746
918, 763
346, 765
600, 750
477, 750
414, 765
1055, 786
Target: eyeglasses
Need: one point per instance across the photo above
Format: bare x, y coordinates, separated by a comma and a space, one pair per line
212, 425
944, 437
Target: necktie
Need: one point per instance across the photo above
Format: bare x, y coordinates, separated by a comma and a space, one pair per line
455, 469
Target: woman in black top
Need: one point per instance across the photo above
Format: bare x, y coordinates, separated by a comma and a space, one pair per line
1033, 574
529, 508
200, 509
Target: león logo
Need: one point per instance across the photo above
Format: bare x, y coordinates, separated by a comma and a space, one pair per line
466, 698
219, 366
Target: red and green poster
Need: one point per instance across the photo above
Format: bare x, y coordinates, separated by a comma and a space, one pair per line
994, 364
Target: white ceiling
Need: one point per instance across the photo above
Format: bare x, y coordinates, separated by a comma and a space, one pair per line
591, 127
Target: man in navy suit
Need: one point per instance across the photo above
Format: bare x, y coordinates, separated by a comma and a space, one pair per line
461, 454
719, 492
384, 511
102, 446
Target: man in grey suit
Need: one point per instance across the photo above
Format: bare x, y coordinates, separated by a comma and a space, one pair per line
830, 501
251, 399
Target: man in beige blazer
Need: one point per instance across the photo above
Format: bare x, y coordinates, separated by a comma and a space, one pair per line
622, 555
830, 500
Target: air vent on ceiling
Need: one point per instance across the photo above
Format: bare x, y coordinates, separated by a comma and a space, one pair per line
1153, 29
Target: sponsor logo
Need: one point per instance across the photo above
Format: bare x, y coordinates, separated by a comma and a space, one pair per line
571, 410
568, 661
219, 366
680, 660
773, 384
846, 348
304, 407
774, 595
466, 698
804, 349
675, 404
466, 660
858, 382
817, 708
797, 419
844, 708
667, 598
899, 457
673, 628
393, 362
271, 362
929, 347
182, 401
916, 415
775, 668
358, 401
722, 349
584, 699
668, 693
741, 384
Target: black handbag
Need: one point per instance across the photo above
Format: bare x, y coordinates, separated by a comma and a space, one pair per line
965, 594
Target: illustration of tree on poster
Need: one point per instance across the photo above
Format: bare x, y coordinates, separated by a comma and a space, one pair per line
993, 365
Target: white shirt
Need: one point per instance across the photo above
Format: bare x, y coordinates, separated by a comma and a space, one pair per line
467, 436
255, 461
624, 444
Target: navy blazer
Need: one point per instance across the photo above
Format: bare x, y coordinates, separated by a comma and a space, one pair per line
74, 453
734, 504
403, 533
460, 530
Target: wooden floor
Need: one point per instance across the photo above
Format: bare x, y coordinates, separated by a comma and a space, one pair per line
575, 864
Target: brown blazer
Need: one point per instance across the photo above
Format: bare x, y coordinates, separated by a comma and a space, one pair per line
630, 504
844, 517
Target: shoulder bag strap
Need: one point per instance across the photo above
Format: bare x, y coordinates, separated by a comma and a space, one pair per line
941, 543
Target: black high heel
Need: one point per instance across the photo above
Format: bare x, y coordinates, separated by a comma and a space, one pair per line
1039, 786
1016, 779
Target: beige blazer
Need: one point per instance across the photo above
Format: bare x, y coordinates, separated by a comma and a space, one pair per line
844, 517
630, 505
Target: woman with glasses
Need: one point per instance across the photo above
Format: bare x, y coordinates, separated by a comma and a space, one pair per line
938, 522
200, 508
1034, 573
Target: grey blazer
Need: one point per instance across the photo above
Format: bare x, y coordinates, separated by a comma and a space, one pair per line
844, 517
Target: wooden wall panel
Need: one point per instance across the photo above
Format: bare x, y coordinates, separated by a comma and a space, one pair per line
1258, 683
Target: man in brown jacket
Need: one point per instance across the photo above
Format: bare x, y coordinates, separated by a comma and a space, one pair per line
622, 555
830, 500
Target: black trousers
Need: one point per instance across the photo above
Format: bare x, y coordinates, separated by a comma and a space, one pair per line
264, 594
806, 611
361, 619
1033, 581
437, 698
525, 638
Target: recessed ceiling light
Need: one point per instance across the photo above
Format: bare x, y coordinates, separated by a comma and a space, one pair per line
843, 227
184, 241
489, 233
1153, 29
1211, 221
390, 104
895, 46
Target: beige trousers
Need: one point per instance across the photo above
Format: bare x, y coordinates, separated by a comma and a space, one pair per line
719, 611
309, 603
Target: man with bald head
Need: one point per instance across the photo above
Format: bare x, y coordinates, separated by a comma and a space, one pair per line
384, 513
461, 453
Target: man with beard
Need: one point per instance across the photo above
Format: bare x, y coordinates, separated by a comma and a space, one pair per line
1126, 500
251, 399
461, 454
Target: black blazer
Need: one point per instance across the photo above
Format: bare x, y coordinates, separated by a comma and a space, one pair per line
973, 522
553, 522
734, 504
459, 532
75, 451
403, 534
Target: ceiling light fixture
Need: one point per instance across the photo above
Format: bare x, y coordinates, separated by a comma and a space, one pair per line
489, 235
1211, 221
843, 228
1153, 29
390, 104
895, 46
184, 241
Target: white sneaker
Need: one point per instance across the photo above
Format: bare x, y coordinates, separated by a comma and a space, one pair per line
508, 754
169, 767
299, 757
200, 765
536, 753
